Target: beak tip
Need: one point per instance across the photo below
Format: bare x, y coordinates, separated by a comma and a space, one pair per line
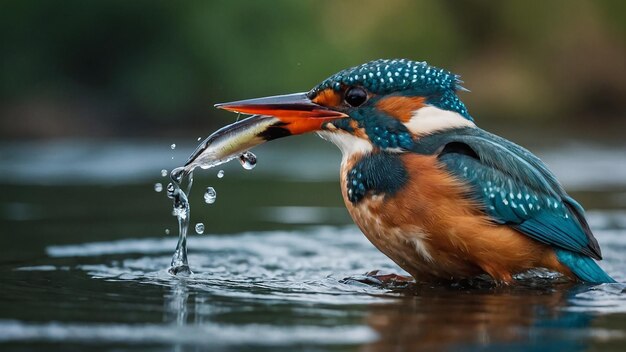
223, 106
297, 105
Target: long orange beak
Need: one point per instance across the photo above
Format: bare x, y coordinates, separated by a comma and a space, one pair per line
298, 113
273, 117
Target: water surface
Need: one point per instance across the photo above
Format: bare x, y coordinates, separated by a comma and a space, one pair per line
85, 255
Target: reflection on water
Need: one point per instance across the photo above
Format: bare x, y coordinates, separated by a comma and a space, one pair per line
176, 305
175, 311
502, 320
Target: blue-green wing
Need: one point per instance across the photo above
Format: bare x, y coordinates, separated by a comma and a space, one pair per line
515, 188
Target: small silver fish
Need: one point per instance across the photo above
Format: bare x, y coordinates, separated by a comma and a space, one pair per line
230, 142
291, 114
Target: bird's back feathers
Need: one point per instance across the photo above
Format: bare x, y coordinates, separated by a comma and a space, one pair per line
514, 186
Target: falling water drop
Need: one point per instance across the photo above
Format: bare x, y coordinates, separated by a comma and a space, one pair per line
247, 160
163, 172
220, 174
210, 195
167, 231
158, 187
199, 228
173, 146
199, 138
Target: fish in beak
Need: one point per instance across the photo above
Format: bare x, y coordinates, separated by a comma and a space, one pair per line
273, 117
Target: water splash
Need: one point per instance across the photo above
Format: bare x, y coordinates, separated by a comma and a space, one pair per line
210, 195
177, 175
216, 149
248, 160
181, 209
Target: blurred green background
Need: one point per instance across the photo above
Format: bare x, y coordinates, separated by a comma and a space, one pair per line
154, 68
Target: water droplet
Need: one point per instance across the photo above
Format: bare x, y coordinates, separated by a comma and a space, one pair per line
167, 231
199, 228
163, 172
173, 146
170, 190
220, 174
210, 195
158, 187
247, 160
199, 138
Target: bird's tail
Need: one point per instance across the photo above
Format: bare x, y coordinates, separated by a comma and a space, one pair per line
585, 268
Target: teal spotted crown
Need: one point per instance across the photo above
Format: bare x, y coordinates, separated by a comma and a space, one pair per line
403, 76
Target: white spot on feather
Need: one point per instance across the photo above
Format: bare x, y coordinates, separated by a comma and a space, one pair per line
430, 119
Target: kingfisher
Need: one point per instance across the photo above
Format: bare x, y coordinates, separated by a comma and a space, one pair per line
441, 197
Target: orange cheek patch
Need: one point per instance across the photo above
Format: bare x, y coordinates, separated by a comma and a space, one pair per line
328, 98
401, 108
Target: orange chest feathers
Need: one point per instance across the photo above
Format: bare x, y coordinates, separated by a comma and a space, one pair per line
428, 225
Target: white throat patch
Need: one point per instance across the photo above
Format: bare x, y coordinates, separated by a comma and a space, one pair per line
347, 143
430, 119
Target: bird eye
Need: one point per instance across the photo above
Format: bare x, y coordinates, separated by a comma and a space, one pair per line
355, 96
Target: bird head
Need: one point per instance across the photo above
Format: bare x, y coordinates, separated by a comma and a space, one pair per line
381, 105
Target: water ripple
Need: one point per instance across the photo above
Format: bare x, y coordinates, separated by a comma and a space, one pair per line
214, 334
283, 265
290, 288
